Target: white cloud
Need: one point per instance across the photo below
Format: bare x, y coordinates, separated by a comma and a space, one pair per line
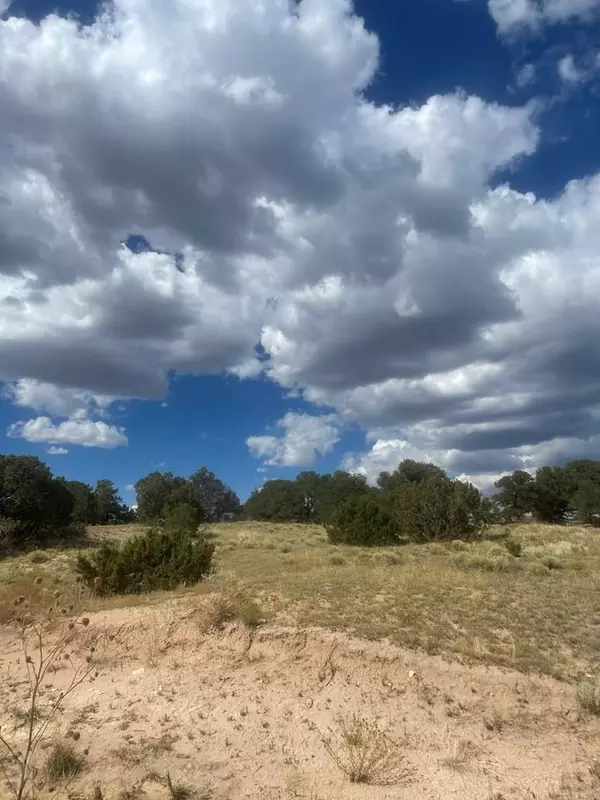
29, 393
73, 431
512, 15
359, 244
573, 74
56, 451
568, 71
526, 75
303, 437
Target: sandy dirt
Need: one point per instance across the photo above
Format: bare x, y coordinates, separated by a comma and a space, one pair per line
232, 714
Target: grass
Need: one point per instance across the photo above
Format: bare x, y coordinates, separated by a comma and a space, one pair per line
63, 761
588, 694
531, 607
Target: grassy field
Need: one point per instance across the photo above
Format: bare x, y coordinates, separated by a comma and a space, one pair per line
537, 611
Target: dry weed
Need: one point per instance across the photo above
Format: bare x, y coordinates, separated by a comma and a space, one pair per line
588, 694
365, 753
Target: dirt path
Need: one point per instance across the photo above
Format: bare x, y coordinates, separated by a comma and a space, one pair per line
235, 716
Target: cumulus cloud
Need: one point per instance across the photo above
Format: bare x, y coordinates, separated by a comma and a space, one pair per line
353, 252
46, 397
73, 431
512, 15
56, 451
303, 437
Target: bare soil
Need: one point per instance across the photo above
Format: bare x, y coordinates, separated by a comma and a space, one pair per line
237, 713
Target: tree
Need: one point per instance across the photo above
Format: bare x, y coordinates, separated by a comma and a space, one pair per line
409, 471
517, 495
84, 502
278, 500
586, 501
37, 503
152, 495
212, 496
182, 519
361, 520
553, 493
310, 486
336, 488
110, 508
438, 509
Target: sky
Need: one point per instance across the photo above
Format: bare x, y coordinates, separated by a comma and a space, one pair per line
268, 236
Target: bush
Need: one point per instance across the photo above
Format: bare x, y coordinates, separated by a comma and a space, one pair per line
155, 560
438, 509
183, 518
588, 694
514, 547
361, 520
551, 562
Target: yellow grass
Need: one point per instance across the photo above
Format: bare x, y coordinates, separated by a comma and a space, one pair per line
473, 602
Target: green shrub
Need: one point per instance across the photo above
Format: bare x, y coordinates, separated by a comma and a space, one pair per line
158, 559
183, 518
361, 520
514, 547
437, 509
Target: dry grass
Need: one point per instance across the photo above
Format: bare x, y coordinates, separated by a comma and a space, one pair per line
366, 754
588, 694
530, 607
63, 762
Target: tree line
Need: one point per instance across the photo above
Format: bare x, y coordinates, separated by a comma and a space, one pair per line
553, 494
416, 502
37, 506
420, 502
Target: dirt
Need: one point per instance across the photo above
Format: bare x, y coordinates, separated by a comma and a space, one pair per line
240, 714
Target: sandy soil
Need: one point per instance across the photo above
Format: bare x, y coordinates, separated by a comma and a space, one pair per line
236, 715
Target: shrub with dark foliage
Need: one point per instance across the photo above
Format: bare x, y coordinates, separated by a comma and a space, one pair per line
158, 559
362, 520
438, 509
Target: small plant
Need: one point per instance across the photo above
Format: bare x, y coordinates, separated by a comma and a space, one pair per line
155, 560
42, 651
63, 761
551, 562
366, 754
588, 694
179, 791
460, 755
514, 547
38, 557
231, 604
336, 560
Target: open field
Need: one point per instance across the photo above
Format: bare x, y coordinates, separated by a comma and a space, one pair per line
540, 611
466, 689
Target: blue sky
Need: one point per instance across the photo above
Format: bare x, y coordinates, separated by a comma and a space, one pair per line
361, 244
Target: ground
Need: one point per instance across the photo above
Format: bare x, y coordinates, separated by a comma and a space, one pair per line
458, 664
